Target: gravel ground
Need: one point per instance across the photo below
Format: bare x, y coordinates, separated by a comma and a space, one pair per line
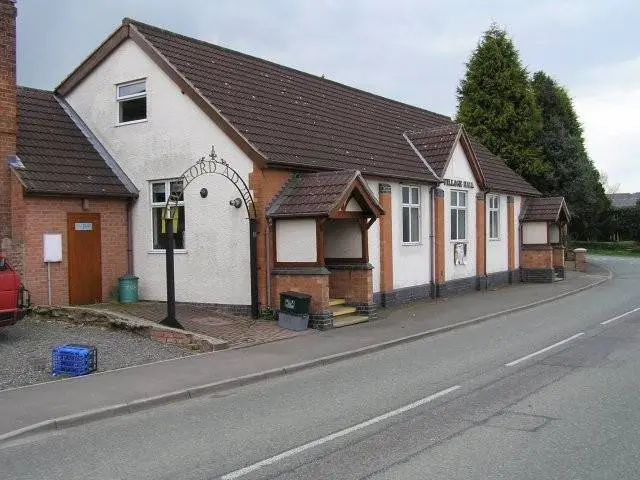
25, 349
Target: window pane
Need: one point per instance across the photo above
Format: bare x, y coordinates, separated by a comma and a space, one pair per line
462, 224
160, 227
176, 188
462, 199
131, 89
158, 193
492, 225
134, 109
454, 199
415, 224
405, 194
415, 196
405, 224
454, 224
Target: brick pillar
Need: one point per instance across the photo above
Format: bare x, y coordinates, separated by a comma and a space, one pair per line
8, 109
386, 242
481, 240
438, 209
581, 259
558, 261
511, 244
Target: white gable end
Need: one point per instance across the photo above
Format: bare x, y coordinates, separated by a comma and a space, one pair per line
214, 266
459, 178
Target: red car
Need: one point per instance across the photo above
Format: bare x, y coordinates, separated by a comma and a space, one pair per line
14, 298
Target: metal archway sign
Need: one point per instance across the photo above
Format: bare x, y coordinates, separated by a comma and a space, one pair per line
212, 165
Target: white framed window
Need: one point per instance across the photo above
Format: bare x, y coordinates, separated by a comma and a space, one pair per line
458, 215
410, 215
494, 217
132, 101
159, 191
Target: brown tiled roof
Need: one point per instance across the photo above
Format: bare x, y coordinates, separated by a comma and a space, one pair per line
316, 194
297, 119
436, 144
284, 117
58, 158
544, 209
498, 176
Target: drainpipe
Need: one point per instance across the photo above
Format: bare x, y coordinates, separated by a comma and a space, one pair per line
129, 237
267, 248
486, 243
432, 239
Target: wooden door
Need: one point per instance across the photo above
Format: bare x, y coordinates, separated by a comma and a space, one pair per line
85, 262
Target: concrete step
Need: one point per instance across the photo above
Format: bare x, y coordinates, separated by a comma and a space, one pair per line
345, 321
336, 301
340, 310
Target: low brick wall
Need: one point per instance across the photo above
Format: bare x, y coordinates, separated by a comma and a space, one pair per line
144, 328
537, 275
537, 263
313, 281
354, 283
403, 295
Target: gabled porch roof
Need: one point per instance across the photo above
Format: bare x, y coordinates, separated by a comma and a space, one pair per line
325, 194
545, 209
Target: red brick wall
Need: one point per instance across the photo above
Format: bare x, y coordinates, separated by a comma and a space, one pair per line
558, 256
481, 235
537, 257
49, 215
355, 286
7, 109
386, 240
581, 259
439, 236
315, 285
265, 185
511, 245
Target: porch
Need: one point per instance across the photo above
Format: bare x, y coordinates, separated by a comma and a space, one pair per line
319, 238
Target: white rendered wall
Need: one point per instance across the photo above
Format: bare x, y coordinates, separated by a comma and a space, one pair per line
411, 262
534, 233
296, 240
459, 169
517, 205
374, 240
214, 267
497, 256
342, 239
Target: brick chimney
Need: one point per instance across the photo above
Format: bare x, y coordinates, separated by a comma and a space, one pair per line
8, 121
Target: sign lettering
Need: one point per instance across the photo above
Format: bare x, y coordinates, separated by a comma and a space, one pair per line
458, 183
203, 166
83, 227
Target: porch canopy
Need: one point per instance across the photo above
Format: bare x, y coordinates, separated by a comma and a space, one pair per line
322, 211
543, 220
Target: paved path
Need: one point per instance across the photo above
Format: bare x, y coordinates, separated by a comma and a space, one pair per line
30, 405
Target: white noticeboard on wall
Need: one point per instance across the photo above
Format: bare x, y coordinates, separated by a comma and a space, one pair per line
52, 247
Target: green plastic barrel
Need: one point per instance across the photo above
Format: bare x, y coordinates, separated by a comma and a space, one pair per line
128, 289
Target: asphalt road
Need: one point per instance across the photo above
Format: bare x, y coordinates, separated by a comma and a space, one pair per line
550, 392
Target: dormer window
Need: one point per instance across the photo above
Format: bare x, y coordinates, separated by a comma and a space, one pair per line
132, 101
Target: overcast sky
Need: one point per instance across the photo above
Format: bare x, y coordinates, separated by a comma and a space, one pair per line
409, 50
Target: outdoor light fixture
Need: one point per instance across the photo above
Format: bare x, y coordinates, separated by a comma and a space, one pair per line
204, 192
236, 202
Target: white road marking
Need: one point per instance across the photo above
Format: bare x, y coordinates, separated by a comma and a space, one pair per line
619, 316
333, 436
546, 349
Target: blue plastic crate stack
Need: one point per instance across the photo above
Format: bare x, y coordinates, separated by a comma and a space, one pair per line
71, 359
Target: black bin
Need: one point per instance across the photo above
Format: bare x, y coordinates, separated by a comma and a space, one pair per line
294, 310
